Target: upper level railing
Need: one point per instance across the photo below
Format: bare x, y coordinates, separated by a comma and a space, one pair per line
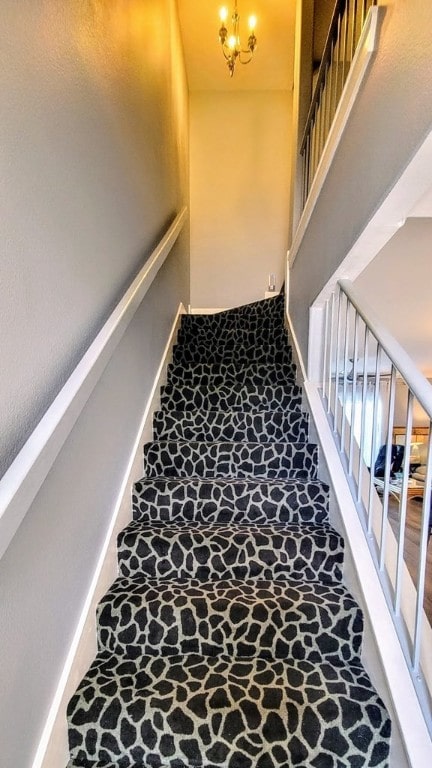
343, 36
380, 409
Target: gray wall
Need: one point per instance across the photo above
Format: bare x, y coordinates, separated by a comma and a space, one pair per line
94, 166
401, 296
390, 120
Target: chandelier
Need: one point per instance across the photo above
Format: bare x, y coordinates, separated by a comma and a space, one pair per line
231, 46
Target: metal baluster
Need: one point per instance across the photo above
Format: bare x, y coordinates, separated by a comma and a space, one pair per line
329, 85
336, 64
386, 491
363, 412
332, 317
424, 537
403, 509
308, 148
345, 67
353, 397
338, 335
325, 350
352, 29
344, 397
374, 436
314, 138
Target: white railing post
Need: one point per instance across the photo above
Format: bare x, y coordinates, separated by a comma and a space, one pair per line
385, 541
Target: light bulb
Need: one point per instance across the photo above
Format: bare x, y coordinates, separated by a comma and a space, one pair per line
252, 23
223, 15
232, 42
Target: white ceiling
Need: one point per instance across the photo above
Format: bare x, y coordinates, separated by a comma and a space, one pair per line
273, 62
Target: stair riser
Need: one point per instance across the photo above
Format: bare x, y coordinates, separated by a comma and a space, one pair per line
269, 620
230, 502
202, 375
239, 356
188, 398
251, 315
209, 426
280, 461
193, 712
224, 552
264, 336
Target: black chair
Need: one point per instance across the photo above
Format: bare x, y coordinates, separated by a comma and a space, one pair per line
396, 460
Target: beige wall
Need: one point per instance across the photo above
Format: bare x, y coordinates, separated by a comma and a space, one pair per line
93, 140
240, 180
93, 154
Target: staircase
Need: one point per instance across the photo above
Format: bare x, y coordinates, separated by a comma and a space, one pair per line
228, 638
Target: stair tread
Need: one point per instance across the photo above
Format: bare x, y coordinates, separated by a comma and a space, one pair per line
221, 500
201, 709
240, 355
199, 374
270, 619
230, 459
237, 426
228, 638
302, 551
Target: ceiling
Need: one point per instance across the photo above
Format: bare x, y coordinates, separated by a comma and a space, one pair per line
273, 63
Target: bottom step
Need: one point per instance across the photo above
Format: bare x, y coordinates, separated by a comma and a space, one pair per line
184, 711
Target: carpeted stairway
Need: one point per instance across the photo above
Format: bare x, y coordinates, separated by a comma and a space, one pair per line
228, 639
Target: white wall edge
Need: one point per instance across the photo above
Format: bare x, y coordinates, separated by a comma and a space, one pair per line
315, 345
299, 358
25, 476
52, 750
366, 47
405, 704
413, 183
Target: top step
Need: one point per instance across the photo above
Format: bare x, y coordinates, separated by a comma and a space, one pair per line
265, 334
250, 315
226, 352
204, 374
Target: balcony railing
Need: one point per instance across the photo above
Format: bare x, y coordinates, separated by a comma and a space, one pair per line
378, 403
344, 33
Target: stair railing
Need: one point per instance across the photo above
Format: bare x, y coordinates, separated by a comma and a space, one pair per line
343, 36
368, 382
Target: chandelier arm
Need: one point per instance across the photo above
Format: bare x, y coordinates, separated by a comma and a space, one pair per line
231, 47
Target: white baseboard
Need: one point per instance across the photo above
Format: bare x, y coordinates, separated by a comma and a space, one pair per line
205, 310
53, 751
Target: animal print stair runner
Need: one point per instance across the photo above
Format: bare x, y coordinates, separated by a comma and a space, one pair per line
228, 639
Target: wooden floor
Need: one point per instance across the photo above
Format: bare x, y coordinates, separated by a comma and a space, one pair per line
412, 538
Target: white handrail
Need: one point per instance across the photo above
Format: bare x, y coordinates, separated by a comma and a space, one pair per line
416, 382
403, 590
25, 476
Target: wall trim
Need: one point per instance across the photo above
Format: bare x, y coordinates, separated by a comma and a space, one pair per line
205, 310
53, 750
360, 64
25, 476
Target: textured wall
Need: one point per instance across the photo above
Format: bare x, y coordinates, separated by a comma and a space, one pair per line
388, 123
240, 181
91, 163
94, 165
